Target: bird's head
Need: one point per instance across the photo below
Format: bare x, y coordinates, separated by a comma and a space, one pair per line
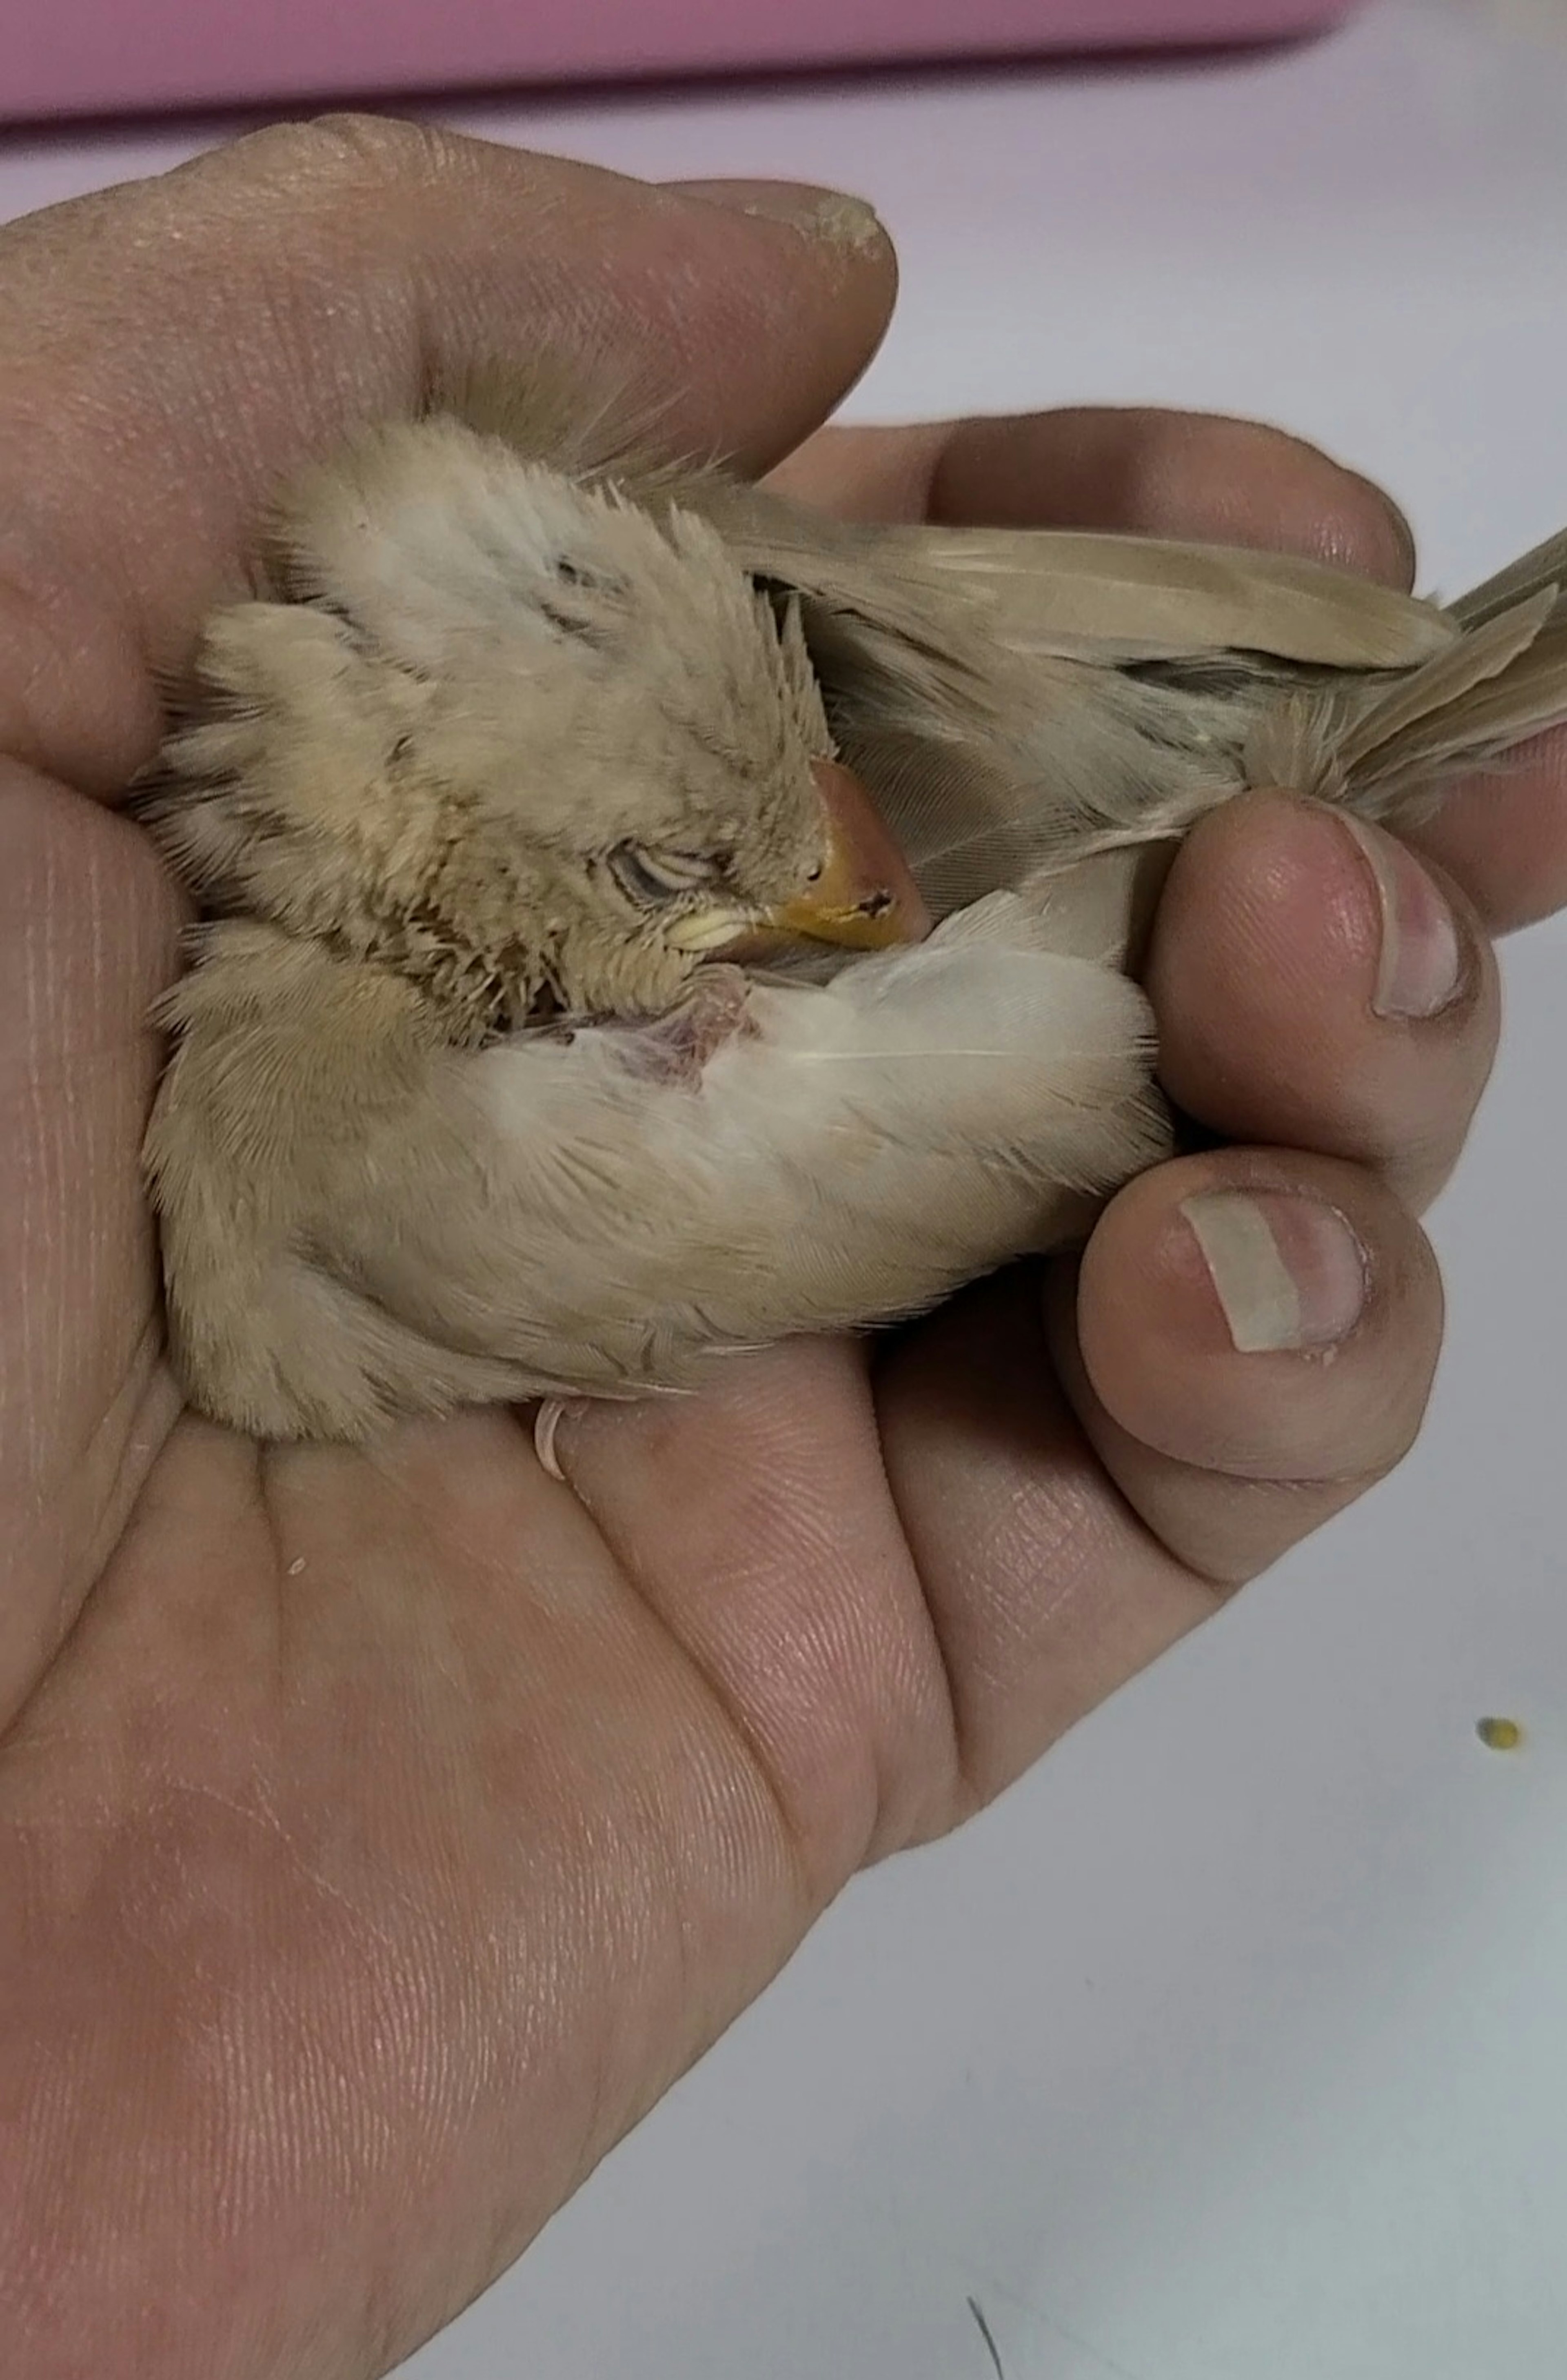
510, 728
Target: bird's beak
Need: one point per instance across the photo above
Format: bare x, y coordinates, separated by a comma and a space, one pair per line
863, 897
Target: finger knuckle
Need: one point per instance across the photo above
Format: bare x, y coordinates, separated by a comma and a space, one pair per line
348, 150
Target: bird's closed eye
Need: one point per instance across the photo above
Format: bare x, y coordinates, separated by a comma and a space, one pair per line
651, 877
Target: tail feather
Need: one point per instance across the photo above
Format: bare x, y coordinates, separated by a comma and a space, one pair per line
1505, 681
1440, 689
1390, 771
1544, 566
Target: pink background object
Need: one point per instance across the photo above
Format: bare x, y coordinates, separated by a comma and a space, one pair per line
73, 57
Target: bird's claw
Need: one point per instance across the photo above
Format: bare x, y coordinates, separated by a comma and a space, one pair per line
546, 1422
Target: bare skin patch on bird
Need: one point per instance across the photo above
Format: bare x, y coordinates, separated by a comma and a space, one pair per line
676, 1048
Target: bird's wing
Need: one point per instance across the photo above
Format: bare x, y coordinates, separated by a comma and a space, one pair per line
1101, 598
1144, 599
853, 1153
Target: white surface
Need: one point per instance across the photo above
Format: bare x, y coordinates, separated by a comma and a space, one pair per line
1232, 2044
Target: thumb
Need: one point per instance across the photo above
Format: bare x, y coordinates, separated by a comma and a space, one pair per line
173, 348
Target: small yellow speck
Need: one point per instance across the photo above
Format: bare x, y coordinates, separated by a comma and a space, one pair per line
1499, 1734
296, 1565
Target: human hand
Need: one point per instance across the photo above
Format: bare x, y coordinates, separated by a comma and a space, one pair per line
380, 1834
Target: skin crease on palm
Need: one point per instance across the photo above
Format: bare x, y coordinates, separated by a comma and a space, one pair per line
381, 1833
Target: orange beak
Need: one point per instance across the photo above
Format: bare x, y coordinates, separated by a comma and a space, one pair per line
862, 897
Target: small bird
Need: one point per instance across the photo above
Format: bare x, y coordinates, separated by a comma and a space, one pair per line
638, 918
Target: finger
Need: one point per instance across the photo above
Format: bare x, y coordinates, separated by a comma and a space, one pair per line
1250, 1346
1044, 1590
1504, 836
1184, 475
1317, 987
1082, 1475
866, 474
1140, 471
175, 346
753, 1519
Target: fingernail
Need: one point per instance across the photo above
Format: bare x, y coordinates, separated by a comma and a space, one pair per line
1403, 536
1288, 1271
1421, 964
1406, 536
830, 215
